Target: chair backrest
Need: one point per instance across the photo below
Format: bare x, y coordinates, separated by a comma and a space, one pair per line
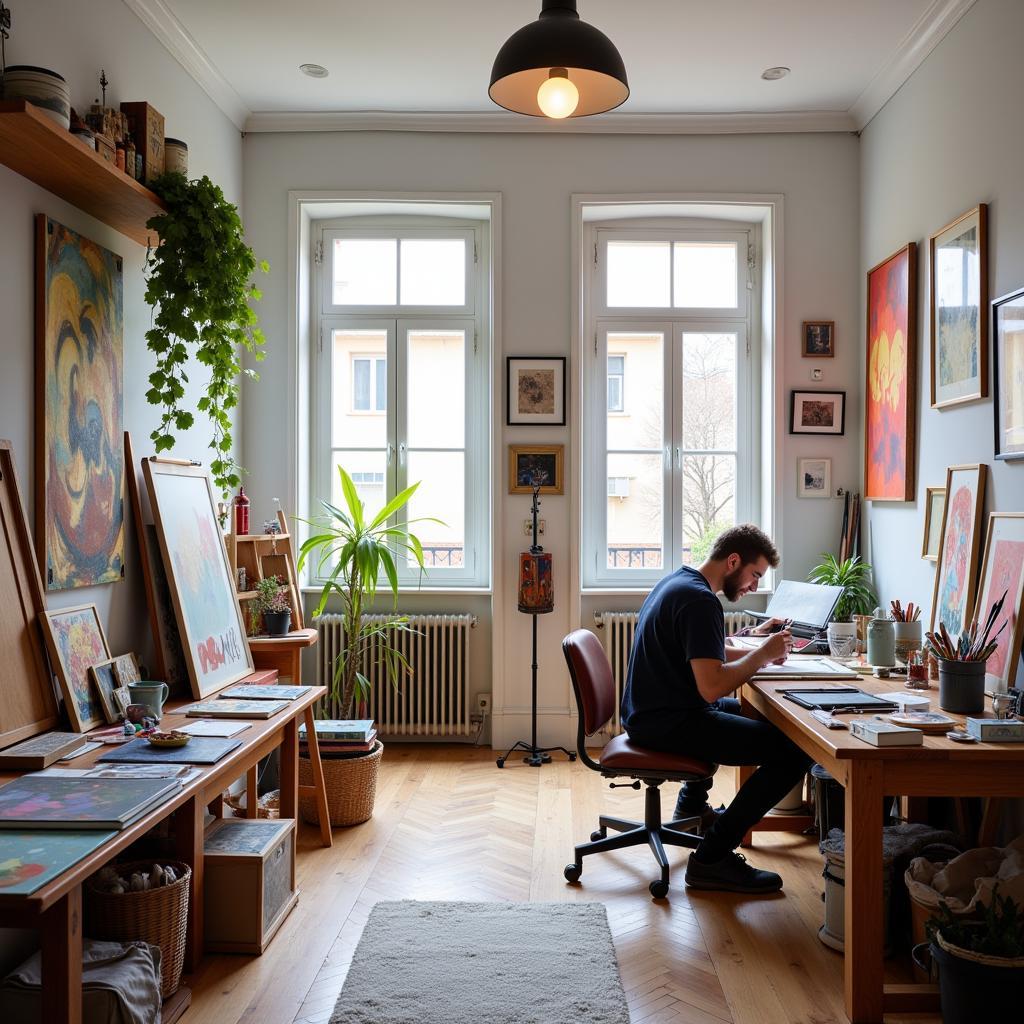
592, 680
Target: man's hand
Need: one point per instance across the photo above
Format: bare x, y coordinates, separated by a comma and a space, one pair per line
776, 648
770, 626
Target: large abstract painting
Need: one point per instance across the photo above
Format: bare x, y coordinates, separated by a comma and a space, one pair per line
891, 395
79, 452
1002, 572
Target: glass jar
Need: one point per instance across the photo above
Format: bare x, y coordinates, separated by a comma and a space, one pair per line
917, 671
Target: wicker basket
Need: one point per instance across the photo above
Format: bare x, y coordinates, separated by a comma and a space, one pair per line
351, 785
157, 916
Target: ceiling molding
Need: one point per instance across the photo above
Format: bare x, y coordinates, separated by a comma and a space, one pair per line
931, 28
502, 122
155, 15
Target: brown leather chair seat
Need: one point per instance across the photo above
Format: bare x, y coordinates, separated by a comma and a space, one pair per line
622, 754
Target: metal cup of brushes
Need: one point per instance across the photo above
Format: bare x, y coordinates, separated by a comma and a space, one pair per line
962, 662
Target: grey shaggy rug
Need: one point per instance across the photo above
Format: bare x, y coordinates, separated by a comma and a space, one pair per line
483, 963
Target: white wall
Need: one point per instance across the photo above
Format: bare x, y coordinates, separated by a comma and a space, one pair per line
76, 39
536, 176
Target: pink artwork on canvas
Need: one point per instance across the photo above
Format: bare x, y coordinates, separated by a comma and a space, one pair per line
1004, 576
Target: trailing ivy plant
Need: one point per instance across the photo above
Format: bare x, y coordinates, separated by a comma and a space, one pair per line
199, 282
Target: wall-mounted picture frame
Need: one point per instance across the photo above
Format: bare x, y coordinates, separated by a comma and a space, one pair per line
818, 339
529, 464
956, 569
75, 642
1002, 572
817, 412
105, 683
958, 286
934, 505
814, 478
1008, 374
535, 391
890, 402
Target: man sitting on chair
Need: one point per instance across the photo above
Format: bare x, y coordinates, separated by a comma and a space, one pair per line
680, 671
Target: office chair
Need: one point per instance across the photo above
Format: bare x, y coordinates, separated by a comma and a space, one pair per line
594, 688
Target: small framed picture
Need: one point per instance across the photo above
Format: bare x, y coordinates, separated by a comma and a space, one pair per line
1008, 375
102, 676
75, 641
817, 412
934, 507
530, 465
536, 391
819, 339
126, 669
813, 478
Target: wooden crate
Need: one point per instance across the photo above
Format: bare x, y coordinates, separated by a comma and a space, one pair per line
249, 883
147, 128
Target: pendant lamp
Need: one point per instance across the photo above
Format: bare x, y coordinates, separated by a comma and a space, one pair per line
558, 66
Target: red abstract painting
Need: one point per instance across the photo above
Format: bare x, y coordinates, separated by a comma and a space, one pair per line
890, 404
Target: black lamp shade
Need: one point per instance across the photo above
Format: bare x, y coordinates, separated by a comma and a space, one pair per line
558, 39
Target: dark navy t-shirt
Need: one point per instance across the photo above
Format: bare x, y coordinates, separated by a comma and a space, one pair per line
680, 620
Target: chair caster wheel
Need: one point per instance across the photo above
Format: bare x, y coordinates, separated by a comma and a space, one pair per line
597, 834
572, 757
572, 872
500, 762
659, 889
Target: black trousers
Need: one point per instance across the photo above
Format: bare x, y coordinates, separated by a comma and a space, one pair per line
720, 734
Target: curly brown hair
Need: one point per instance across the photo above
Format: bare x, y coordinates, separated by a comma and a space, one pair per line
747, 541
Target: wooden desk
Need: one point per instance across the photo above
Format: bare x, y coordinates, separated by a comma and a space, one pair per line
55, 908
938, 768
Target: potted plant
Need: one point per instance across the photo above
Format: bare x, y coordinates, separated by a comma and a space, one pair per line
858, 597
351, 551
272, 605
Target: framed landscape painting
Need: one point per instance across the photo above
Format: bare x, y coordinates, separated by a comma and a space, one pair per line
958, 267
890, 407
75, 643
1008, 373
956, 570
536, 391
817, 412
1002, 572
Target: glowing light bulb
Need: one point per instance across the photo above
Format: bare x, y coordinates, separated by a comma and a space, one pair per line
558, 97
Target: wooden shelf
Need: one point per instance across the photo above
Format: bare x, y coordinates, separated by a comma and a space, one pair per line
252, 538
246, 595
40, 150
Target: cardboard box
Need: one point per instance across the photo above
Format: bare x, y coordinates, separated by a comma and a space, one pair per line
146, 126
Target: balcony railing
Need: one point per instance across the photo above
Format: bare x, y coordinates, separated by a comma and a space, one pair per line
443, 555
634, 556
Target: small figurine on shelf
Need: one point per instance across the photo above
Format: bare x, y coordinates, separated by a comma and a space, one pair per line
241, 505
271, 526
242, 579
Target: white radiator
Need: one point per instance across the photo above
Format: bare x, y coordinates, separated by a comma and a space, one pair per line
618, 642
433, 698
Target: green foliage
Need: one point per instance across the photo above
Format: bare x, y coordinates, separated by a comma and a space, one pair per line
352, 550
701, 547
999, 932
199, 282
271, 595
854, 576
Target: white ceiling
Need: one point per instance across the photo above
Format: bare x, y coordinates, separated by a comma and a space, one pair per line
683, 57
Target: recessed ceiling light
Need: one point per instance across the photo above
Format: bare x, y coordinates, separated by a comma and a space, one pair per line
314, 70
774, 74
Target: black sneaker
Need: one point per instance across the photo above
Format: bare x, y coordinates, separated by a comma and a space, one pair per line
708, 816
731, 874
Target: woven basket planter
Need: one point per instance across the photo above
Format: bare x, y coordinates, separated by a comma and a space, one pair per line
157, 916
351, 785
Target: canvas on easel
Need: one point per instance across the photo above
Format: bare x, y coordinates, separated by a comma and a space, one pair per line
199, 575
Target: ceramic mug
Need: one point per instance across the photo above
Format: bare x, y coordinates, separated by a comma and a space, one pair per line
151, 694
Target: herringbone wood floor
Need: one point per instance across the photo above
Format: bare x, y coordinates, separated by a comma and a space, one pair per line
449, 825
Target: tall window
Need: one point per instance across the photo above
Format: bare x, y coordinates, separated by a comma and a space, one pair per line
402, 381
670, 460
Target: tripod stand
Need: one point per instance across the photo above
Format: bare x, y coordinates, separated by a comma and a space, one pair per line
535, 598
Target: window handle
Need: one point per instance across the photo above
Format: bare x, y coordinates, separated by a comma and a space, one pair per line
679, 458
391, 452
401, 453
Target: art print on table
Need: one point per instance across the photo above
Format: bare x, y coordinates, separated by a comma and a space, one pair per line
1002, 572
890, 395
80, 453
536, 390
956, 571
1008, 374
75, 640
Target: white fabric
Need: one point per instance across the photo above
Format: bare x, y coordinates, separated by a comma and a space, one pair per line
969, 879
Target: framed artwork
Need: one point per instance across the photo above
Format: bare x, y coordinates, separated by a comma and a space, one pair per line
199, 576
79, 409
529, 464
126, 670
75, 642
536, 391
1002, 572
813, 478
105, 684
958, 276
956, 568
890, 404
817, 412
934, 505
1008, 373
819, 339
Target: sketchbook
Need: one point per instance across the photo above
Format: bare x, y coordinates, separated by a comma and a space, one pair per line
265, 691
806, 668
224, 708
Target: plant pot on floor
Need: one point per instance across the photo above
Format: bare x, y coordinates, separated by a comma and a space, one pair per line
277, 623
351, 784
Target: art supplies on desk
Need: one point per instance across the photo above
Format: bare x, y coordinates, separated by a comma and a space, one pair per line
52, 802
33, 754
212, 727
907, 700
235, 708
836, 699
996, 730
202, 750
265, 691
805, 668
30, 859
880, 732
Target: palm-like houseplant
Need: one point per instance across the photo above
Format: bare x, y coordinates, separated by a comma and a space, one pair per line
854, 576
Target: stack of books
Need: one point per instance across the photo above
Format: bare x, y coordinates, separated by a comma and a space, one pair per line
341, 737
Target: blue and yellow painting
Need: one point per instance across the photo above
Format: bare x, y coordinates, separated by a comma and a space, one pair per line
81, 450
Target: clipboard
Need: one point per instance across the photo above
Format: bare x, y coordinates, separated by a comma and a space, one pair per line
837, 699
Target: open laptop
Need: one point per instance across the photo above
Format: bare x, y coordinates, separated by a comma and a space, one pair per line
808, 605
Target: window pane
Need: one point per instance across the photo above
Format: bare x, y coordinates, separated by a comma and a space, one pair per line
364, 271
441, 495
638, 274
638, 421
709, 502
353, 423
635, 521
381, 371
437, 389
709, 391
705, 275
614, 393
433, 272
367, 472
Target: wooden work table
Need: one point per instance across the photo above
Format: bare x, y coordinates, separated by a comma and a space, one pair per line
55, 908
940, 767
